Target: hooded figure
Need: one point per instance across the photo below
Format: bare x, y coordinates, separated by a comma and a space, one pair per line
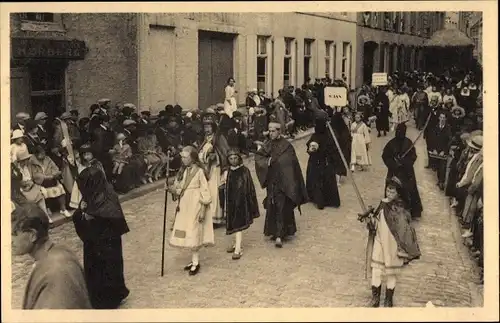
100, 223
321, 181
399, 155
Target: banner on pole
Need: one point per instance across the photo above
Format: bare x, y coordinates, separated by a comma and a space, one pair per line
335, 96
379, 79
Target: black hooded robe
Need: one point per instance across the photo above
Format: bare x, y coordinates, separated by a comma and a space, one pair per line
382, 113
284, 184
101, 237
321, 181
241, 205
397, 146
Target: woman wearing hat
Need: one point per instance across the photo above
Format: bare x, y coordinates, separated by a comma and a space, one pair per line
17, 145
395, 243
29, 188
47, 174
84, 159
474, 164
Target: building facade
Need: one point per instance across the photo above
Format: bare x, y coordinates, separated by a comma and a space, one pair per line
61, 62
476, 34
69, 61
394, 41
187, 58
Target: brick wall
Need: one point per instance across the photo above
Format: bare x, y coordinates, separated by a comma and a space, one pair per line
109, 69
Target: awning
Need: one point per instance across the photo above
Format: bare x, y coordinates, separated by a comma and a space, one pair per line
449, 38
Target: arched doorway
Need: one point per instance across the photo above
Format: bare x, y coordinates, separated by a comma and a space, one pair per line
369, 50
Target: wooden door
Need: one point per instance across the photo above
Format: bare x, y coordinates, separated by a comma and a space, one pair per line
20, 91
215, 66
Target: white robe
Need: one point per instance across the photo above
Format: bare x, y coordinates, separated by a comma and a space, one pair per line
360, 137
214, 181
230, 101
188, 232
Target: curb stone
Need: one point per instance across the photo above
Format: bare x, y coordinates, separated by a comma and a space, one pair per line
151, 187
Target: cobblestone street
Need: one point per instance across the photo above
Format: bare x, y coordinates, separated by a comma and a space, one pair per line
323, 266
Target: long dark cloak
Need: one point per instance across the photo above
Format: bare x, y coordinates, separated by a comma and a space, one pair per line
321, 179
241, 204
382, 113
101, 236
404, 170
398, 220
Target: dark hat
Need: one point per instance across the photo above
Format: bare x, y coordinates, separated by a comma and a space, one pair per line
233, 151
394, 181
146, 112
85, 148
237, 114
208, 117
30, 125
177, 109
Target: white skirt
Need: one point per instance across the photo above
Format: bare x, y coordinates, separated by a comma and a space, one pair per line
54, 191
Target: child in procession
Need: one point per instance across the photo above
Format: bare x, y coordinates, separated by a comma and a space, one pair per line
192, 228
241, 205
395, 243
360, 145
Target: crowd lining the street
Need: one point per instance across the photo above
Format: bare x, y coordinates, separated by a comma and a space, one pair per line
75, 161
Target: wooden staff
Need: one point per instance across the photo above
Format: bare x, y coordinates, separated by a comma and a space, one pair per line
371, 235
165, 215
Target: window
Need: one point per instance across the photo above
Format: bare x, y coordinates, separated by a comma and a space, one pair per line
262, 43
307, 59
329, 59
346, 62
47, 88
37, 16
288, 62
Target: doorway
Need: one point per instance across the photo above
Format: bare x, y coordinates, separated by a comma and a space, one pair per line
369, 49
215, 66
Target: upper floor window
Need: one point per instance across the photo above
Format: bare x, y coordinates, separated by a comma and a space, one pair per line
37, 16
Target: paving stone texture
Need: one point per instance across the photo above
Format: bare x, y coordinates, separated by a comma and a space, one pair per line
323, 266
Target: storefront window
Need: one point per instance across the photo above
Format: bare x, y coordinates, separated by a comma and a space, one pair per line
262, 70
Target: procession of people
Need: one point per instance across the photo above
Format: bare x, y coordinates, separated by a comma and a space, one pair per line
83, 164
